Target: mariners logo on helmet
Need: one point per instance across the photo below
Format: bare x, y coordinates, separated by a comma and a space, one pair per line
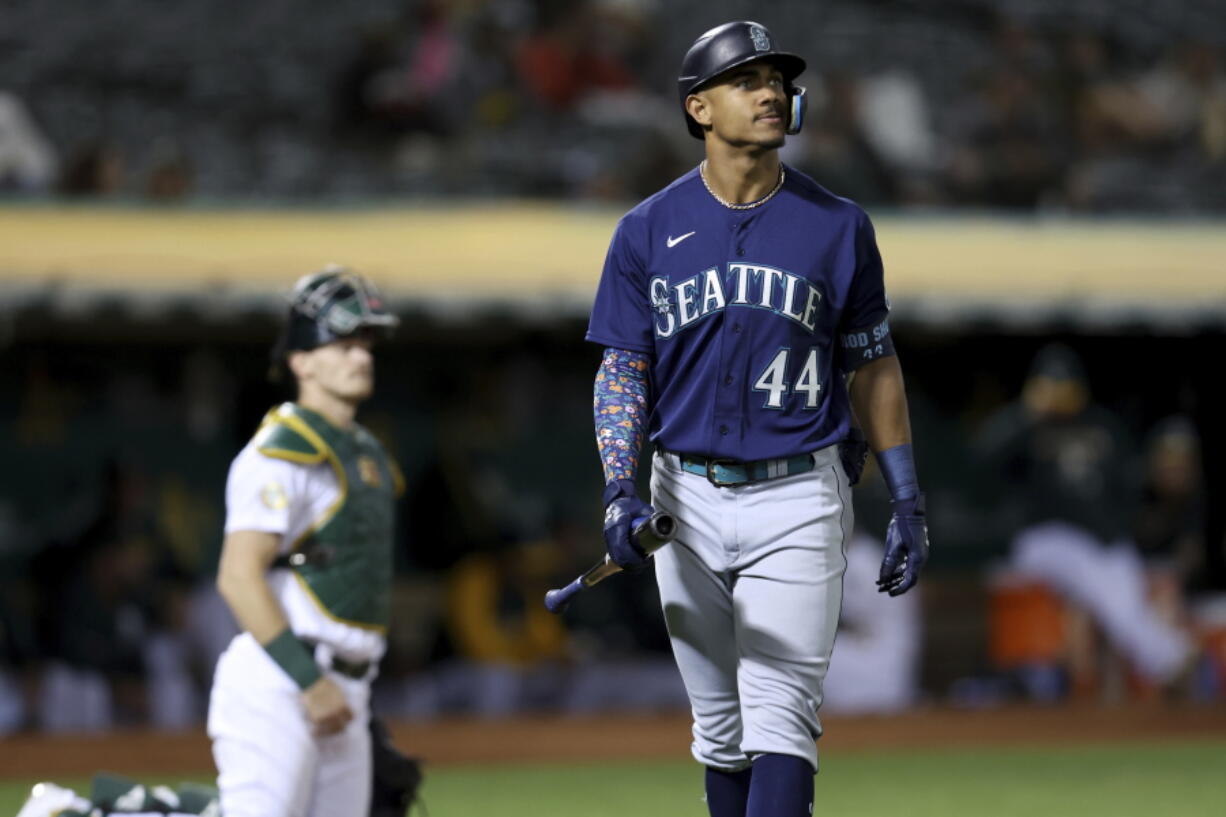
760, 37
732, 44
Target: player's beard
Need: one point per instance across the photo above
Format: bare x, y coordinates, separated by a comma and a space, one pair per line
773, 143
759, 146
756, 144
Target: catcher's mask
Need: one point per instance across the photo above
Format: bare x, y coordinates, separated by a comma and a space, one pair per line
327, 306
728, 46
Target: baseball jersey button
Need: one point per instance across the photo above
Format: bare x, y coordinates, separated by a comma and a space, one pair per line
736, 327
728, 380
740, 250
723, 430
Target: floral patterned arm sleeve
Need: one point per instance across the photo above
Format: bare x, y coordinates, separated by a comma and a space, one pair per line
620, 410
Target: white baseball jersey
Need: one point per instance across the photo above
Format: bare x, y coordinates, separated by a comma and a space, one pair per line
282, 497
270, 761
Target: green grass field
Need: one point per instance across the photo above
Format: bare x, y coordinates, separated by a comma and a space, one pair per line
1184, 779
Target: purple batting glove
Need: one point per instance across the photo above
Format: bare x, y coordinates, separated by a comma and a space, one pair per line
622, 508
906, 546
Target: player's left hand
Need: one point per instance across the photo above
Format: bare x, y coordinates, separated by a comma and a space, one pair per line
906, 546
622, 508
326, 706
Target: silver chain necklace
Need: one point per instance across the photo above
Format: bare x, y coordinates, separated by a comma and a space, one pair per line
702, 173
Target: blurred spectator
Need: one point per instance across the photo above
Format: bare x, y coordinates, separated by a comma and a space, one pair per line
356, 105
1142, 133
1166, 104
1170, 528
869, 138
489, 79
894, 114
1069, 483
169, 177
834, 149
875, 665
571, 55
28, 161
95, 169
399, 83
1008, 152
97, 606
1008, 149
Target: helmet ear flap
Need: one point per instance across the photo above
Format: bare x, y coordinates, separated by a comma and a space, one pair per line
798, 104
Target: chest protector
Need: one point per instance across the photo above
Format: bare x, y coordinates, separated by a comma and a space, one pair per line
344, 561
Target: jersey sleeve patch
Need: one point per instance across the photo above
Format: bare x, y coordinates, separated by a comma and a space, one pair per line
861, 346
260, 493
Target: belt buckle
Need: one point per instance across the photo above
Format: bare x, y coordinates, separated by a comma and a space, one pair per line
715, 462
352, 669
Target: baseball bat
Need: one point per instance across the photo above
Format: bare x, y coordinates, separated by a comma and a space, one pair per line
653, 532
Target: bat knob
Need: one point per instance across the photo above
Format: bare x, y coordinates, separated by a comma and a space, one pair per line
557, 600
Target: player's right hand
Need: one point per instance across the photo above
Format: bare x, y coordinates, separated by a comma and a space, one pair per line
622, 508
853, 452
326, 706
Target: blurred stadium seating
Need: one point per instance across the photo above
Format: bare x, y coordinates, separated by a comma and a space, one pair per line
1078, 105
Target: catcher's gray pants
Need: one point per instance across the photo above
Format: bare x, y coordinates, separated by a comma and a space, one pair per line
751, 589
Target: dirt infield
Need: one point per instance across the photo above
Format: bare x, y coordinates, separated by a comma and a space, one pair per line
588, 739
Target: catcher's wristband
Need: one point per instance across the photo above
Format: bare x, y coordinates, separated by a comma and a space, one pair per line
292, 656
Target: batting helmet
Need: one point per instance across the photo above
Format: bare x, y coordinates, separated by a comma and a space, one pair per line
329, 305
734, 44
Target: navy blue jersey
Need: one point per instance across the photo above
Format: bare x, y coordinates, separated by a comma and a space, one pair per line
751, 318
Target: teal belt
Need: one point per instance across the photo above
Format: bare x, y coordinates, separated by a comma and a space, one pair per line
723, 473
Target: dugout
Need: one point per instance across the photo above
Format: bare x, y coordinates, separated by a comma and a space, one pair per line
143, 334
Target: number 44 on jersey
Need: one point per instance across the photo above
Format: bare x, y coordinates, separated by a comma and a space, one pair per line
773, 380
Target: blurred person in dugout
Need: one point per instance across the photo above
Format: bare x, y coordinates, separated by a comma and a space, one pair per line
1170, 527
510, 646
1069, 486
99, 598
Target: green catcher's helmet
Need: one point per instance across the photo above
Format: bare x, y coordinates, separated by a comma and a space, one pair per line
330, 305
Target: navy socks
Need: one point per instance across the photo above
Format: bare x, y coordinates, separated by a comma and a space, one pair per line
775, 786
782, 787
728, 792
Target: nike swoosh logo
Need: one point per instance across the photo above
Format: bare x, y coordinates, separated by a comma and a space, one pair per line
672, 242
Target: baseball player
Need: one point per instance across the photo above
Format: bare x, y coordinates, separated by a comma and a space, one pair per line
743, 315
306, 568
